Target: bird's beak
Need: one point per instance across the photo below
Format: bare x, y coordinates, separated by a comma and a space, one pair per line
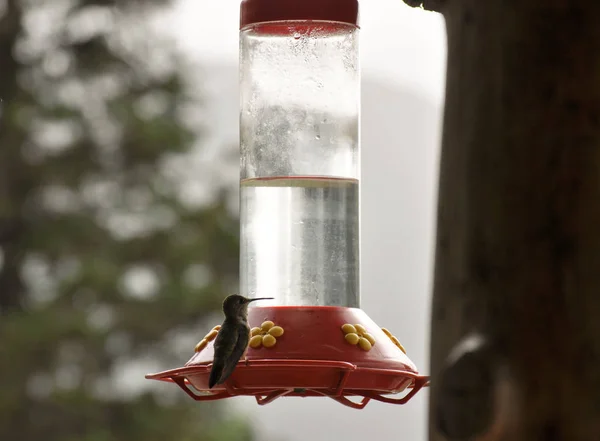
261, 298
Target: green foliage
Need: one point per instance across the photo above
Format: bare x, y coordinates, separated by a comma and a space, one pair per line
103, 259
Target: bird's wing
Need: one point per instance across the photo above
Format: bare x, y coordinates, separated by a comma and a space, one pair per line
224, 346
238, 350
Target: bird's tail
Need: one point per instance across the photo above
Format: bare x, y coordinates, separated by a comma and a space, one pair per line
215, 374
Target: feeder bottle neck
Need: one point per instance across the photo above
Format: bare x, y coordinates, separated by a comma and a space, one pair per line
260, 11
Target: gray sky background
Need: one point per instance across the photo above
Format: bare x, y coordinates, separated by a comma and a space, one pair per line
403, 60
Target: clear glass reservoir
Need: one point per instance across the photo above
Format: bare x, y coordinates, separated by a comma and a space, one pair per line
300, 163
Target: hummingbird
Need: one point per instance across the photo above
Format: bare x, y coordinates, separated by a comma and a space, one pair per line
233, 338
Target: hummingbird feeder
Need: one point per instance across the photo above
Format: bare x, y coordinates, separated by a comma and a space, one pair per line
299, 209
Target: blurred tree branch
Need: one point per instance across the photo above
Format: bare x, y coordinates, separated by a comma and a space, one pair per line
428, 5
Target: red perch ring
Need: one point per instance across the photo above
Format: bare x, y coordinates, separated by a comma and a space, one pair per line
307, 351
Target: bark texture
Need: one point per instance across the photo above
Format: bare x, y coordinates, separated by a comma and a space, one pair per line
518, 235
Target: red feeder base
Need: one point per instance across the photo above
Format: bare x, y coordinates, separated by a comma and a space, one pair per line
303, 351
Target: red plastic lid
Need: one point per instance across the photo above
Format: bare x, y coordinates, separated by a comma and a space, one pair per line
260, 11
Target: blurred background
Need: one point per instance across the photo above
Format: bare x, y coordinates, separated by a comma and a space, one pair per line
119, 215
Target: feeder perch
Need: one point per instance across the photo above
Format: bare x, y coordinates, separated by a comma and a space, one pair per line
299, 209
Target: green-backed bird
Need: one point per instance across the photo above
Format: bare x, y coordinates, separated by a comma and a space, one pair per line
233, 338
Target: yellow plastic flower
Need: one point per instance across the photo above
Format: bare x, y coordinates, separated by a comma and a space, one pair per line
266, 335
394, 339
358, 335
207, 338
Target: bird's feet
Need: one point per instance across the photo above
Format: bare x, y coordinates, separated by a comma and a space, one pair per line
246, 360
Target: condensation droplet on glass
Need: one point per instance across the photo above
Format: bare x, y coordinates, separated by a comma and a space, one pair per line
297, 35
317, 136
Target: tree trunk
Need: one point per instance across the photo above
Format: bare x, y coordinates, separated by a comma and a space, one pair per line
11, 138
518, 235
